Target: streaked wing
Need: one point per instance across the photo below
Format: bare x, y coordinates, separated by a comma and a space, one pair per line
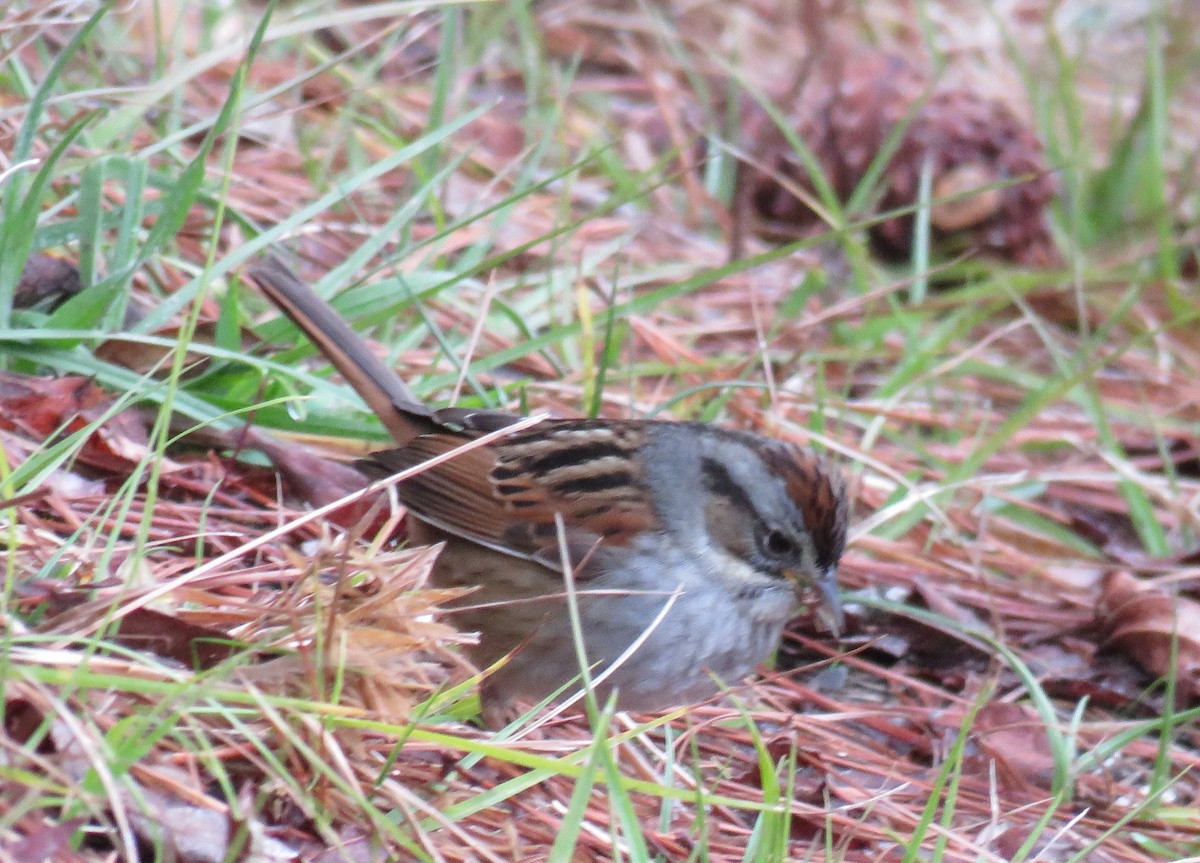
506, 496
456, 495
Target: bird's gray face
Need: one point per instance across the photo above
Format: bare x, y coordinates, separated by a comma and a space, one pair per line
775, 507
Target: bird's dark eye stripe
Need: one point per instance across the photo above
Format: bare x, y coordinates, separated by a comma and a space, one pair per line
573, 454
718, 481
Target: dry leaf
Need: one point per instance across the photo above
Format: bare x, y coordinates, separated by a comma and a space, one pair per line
45, 277
1151, 625
41, 407
1014, 737
42, 841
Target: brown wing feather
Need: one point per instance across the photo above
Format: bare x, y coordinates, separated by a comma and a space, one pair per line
456, 495
506, 496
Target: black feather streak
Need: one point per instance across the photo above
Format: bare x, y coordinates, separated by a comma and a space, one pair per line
574, 454
584, 485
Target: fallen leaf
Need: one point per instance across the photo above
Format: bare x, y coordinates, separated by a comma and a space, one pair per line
1014, 738
191, 645
44, 842
45, 277
22, 719
1158, 630
43, 408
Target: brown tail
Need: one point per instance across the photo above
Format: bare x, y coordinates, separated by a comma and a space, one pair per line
381, 388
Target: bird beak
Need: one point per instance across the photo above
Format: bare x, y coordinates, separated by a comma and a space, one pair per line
829, 603
829, 608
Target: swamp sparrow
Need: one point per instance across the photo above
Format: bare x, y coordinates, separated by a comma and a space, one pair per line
689, 545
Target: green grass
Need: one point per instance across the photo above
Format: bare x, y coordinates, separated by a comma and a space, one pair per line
968, 400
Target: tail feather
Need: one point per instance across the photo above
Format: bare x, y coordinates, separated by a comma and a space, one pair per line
401, 412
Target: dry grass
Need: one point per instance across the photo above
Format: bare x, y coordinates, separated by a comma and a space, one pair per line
177, 674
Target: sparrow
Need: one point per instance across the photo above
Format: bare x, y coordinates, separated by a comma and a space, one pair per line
687, 546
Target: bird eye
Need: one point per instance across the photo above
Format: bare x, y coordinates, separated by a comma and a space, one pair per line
779, 544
